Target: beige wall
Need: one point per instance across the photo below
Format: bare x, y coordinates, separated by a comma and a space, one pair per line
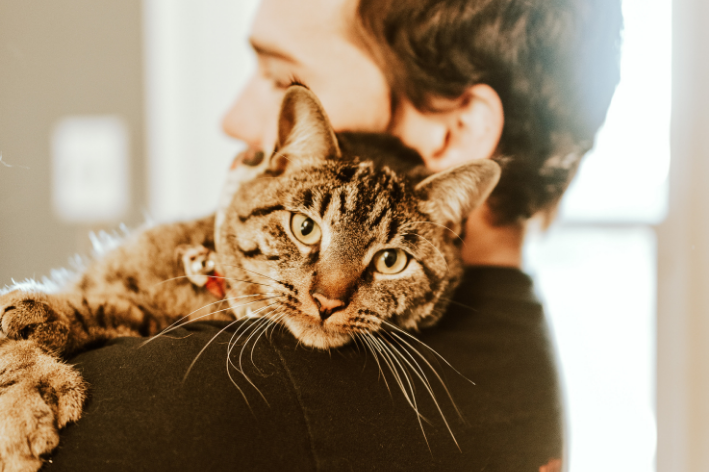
60, 57
683, 305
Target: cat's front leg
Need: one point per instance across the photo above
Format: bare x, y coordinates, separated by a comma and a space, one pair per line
65, 323
38, 396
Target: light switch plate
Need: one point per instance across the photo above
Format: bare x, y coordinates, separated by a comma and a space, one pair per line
90, 169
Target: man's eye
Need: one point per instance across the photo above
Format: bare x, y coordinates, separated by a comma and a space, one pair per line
286, 82
281, 84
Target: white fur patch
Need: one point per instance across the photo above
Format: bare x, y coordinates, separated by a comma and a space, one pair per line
57, 280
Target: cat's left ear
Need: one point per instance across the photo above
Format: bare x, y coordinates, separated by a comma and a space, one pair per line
451, 195
304, 130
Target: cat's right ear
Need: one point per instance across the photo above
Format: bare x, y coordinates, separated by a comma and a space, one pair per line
304, 130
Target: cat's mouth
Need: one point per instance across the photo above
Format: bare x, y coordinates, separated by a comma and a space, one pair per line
315, 333
310, 330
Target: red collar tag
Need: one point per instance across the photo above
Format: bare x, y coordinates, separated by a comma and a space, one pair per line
216, 284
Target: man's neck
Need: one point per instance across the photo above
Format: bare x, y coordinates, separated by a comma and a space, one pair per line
490, 245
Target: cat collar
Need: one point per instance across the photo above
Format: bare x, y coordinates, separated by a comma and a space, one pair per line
200, 266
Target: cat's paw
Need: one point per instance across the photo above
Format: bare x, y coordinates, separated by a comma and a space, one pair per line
32, 315
38, 396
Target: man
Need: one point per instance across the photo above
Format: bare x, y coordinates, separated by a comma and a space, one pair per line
524, 82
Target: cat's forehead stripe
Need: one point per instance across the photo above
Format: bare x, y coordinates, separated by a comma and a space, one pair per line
308, 198
393, 229
343, 201
325, 203
261, 211
411, 238
376, 217
371, 202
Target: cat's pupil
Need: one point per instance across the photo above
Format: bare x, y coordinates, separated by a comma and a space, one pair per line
307, 227
389, 258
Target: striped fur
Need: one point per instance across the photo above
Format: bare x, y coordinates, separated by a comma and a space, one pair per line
367, 193
362, 206
360, 210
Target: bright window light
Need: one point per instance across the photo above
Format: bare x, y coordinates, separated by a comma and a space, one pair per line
624, 179
596, 269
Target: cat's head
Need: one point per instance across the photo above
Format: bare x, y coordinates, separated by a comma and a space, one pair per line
330, 244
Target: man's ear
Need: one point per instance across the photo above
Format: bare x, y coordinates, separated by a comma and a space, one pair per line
303, 127
460, 130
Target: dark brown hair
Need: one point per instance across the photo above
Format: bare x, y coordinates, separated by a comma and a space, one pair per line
554, 64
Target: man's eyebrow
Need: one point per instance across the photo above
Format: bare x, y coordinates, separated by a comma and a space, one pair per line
270, 51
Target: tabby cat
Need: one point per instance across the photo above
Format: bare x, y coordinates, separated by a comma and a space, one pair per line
328, 238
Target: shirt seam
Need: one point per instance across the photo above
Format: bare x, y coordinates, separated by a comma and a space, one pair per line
301, 404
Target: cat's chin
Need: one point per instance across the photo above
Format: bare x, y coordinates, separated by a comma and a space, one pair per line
313, 335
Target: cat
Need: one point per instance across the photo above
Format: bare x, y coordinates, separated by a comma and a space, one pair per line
330, 238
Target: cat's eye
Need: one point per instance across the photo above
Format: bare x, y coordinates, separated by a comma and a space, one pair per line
390, 261
305, 229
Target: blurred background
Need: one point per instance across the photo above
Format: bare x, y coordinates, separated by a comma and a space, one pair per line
110, 113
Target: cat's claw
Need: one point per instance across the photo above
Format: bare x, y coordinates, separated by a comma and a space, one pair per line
38, 396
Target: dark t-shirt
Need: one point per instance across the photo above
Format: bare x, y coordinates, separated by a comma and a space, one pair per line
333, 410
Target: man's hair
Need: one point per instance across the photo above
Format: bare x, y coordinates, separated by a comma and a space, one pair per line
554, 64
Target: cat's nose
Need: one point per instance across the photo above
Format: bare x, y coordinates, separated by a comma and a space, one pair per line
327, 306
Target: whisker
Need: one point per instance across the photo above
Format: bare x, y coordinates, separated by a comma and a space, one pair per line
253, 272
440, 225
388, 361
233, 342
245, 281
412, 402
213, 338
376, 359
432, 245
386, 348
169, 280
175, 326
248, 324
422, 376
231, 363
215, 277
433, 351
271, 322
239, 388
394, 372
279, 154
255, 324
454, 302
264, 323
443, 384
275, 322
243, 394
165, 330
416, 369
189, 369
356, 344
